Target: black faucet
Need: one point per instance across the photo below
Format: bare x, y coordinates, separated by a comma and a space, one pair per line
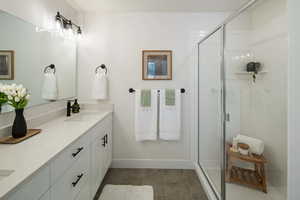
75, 108
69, 108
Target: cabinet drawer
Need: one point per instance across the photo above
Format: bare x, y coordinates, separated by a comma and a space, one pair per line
68, 157
84, 194
34, 187
46, 196
73, 181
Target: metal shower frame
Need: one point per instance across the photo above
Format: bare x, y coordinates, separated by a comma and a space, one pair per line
221, 27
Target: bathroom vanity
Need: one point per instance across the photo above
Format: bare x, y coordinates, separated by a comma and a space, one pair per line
67, 161
69, 158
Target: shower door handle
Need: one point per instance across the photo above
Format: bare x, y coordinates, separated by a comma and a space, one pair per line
227, 117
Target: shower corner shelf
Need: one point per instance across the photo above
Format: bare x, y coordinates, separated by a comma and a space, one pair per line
247, 73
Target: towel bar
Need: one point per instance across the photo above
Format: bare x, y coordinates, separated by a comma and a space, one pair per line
131, 90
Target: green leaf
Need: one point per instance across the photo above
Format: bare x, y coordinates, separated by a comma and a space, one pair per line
3, 98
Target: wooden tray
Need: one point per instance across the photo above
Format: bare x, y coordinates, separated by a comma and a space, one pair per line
11, 140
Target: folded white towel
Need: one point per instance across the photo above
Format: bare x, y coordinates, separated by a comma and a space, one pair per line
170, 118
49, 89
146, 118
256, 146
100, 84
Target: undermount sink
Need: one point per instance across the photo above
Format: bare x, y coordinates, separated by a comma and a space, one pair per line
5, 173
85, 116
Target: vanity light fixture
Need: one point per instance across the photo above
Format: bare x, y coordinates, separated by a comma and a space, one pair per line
67, 25
79, 32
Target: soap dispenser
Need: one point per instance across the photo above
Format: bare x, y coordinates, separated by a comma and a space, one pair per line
75, 107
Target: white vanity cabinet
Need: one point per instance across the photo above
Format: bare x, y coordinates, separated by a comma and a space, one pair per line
108, 147
34, 188
76, 172
96, 166
46, 196
73, 180
101, 153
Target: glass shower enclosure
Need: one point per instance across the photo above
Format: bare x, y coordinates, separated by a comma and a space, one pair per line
210, 109
233, 101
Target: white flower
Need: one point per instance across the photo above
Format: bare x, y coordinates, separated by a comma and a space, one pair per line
23, 92
15, 94
17, 99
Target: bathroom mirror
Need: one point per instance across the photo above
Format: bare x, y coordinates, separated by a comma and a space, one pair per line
25, 51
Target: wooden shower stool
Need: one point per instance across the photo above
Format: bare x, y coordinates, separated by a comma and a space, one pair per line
253, 178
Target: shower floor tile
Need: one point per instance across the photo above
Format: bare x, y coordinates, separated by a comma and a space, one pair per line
167, 184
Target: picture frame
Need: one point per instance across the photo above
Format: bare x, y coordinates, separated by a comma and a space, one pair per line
157, 65
7, 64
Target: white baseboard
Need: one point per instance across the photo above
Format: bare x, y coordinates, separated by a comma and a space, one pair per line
152, 164
208, 190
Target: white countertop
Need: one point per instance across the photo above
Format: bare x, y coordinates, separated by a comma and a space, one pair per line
27, 157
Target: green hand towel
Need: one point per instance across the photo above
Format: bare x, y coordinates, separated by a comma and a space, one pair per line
170, 97
146, 98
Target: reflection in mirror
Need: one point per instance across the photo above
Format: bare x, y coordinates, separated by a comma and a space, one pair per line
25, 52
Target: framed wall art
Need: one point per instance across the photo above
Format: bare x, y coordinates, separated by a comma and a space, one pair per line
6, 65
157, 65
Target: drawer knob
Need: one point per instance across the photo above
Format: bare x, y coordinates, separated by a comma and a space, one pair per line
77, 152
104, 141
78, 179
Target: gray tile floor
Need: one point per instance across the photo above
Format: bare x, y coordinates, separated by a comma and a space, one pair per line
167, 184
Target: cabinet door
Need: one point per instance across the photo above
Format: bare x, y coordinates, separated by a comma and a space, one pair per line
108, 147
34, 187
108, 153
97, 164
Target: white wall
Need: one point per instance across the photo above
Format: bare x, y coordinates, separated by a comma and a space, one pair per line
40, 13
293, 101
118, 40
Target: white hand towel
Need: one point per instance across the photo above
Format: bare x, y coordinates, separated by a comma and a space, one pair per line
49, 89
170, 117
146, 118
256, 145
100, 84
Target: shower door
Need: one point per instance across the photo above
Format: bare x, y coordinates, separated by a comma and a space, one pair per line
210, 126
256, 103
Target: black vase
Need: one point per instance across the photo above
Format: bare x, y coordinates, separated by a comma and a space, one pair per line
19, 128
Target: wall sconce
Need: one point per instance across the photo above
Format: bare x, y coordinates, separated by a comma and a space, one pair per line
66, 24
